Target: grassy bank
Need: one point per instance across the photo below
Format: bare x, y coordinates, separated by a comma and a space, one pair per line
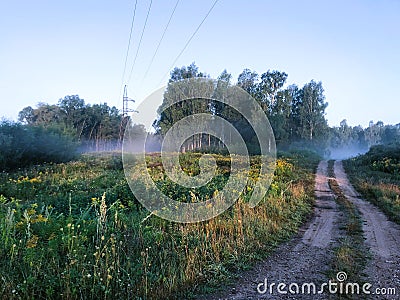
74, 230
376, 175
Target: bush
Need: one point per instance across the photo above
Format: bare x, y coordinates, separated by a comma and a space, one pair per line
22, 145
376, 175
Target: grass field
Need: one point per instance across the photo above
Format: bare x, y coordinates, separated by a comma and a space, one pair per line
75, 231
376, 175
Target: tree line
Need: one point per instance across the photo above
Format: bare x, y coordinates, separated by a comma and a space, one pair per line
97, 127
296, 115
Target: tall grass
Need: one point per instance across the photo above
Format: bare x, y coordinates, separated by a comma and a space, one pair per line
376, 175
60, 241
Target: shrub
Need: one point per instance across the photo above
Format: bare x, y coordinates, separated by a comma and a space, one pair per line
22, 145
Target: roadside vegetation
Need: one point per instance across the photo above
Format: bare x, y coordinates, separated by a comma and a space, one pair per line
73, 230
376, 175
21, 145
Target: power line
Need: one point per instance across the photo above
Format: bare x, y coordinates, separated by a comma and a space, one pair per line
140, 41
162, 37
129, 42
129, 45
190, 39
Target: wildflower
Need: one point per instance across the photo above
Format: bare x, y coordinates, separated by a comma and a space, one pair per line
39, 219
32, 242
33, 180
31, 211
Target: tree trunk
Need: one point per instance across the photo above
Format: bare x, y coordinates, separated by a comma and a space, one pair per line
200, 136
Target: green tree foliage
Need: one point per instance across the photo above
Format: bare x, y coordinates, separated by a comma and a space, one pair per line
247, 80
271, 83
23, 145
97, 126
348, 137
311, 112
295, 114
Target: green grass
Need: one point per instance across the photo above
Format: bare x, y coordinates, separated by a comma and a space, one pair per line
74, 230
376, 175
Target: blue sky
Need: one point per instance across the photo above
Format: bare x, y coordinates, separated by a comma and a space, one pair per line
50, 49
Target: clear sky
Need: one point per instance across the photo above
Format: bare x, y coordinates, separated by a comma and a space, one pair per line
50, 49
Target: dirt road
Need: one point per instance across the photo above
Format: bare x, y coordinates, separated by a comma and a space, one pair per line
305, 258
308, 256
381, 236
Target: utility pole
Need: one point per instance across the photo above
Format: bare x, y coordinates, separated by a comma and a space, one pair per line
125, 113
125, 102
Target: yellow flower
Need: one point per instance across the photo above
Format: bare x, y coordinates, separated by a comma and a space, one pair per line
39, 219
32, 242
19, 224
33, 180
31, 212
